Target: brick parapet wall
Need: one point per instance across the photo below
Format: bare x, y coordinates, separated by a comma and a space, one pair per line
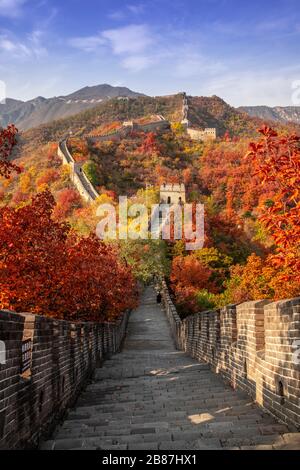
64, 356
77, 174
254, 345
79, 178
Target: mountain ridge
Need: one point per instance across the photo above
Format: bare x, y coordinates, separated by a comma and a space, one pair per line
40, 110
282, 114
203, 111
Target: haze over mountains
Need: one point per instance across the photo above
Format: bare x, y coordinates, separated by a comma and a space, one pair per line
30, 114
278, 113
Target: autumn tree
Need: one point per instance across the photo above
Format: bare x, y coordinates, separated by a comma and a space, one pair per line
47, 176
47, 269
150, 144
8, 139
277, 160
188, 276
68, 199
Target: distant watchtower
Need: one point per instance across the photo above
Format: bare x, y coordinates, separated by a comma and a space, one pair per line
185, 122
172, 194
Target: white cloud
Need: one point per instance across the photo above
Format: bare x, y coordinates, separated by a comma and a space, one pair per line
136, 9
88, 43
130, 39
117, 15
137, 63
131, 43
14, 48
127, 11
11, 8
30, 47
192, 64
35, 44
247, 88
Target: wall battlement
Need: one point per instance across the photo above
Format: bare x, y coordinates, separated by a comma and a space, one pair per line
64, 356
172, 187
254, 345
202, 135
172, 193
77, 175
158, 124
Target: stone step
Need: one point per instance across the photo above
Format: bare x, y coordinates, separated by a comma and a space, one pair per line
153, 397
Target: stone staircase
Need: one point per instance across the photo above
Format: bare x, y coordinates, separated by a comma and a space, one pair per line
151, 396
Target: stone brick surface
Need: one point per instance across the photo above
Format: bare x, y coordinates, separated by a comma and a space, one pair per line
154, 396
64, 356
254, 345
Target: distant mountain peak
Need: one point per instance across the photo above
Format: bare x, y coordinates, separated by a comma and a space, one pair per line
42, 110
282, 114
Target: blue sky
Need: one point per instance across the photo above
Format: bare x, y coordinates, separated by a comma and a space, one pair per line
247, 52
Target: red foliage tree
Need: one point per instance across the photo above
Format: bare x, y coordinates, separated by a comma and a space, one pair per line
54, 161
7, 142
47, 177
46, 269
150, 144
67, 200
188, 275
277, 161
230, 178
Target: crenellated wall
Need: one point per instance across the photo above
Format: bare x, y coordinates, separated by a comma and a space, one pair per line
159, 124
61, 358
172, 193
254, 345
201, 135
77, 174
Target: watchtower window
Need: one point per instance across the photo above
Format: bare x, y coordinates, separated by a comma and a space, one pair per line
245, 367
280, 392
207, 329
41, 400
169, 200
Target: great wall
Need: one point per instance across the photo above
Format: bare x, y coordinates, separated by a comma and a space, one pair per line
77, 174
254, 345
158, 124
62, 357
151, 395
224, 379
201, 135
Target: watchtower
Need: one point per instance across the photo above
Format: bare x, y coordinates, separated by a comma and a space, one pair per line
172, 194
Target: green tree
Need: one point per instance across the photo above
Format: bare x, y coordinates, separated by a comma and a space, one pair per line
90, 169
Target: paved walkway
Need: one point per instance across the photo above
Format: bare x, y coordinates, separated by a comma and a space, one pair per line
151, 396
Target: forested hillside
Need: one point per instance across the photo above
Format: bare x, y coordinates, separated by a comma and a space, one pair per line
247, 197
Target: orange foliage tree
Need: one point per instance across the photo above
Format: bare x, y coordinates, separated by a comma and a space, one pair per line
229, 177
188, 276
150, 144
8, 139
277, 160
47, 269
68, 199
